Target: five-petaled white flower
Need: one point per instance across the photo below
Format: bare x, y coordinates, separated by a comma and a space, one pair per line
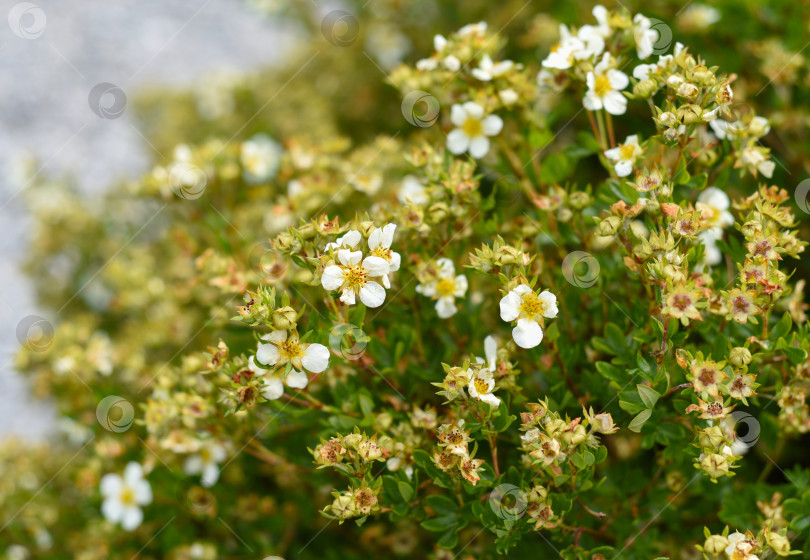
124, 496
604, 88
625, 155
260, 157
379, 245
645, 36
529, 308
487, 70
355, 276
282, 348
272, 386
481, 386
713, 204
445, 288
472, 129
206, 462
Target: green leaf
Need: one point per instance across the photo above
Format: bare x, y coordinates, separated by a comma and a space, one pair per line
649, 396
782, 327
442, 505
638, 421
405, 490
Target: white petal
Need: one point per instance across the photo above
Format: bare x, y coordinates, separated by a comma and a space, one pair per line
350, 239
375, 239
493, 124
297, 380
618, 79
527, 333
112, 510
349, 258
376, 266
549, 304
273, 388
457, 141
133, 473
445, 307
276, 336
316, 358
510, 306
193, 465
615, 103
388, 231
624, 168
348, 297
479, 147
474, 110
396, 260
591, 101
143, 492
461, 286
210, 475
491, 351
132, 518
267, 354
613, 154
372, 294
332, 277
428, 289
458, 115
446, 267
110, 485
491, 400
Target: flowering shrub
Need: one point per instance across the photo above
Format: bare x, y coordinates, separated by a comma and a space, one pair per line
558, 315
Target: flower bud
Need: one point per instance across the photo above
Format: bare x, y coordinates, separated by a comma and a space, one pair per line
609, 226
438, 212
284, 318
564, 214
352, 440
667, 118
645, 88
724, 96
740, 356
248, 396
715, 544
507, 255
689, 114
689, 91
711, 438
703, 76
579, 199
779, 544
672, 135
343, 506
537, 495
715, 465
369, 450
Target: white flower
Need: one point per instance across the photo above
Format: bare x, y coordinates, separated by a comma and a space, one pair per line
487, 70
445, 289
472, 129
528, 308
712, 254
439, 42
379, 245
594, 36
565, 52
272, 386
123, 496
491, 353
348, 240
294, 188
473, 30
353, 277
412, 191
282, 348
723, 129
713, 204
755, 159
739, 548
206, 462
260, 157
625, 155
481, 386
452, 63
644, 35
604, 88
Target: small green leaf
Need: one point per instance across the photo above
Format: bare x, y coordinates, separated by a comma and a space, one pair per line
638, 421
649, 396
405, 490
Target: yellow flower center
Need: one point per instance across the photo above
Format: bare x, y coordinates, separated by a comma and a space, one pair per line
205, 455
531, 305
127, 496
681, 301
601, 85
445, 287
627, 151
481, 386
382, 252
355, 277
472, 127
290, 350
